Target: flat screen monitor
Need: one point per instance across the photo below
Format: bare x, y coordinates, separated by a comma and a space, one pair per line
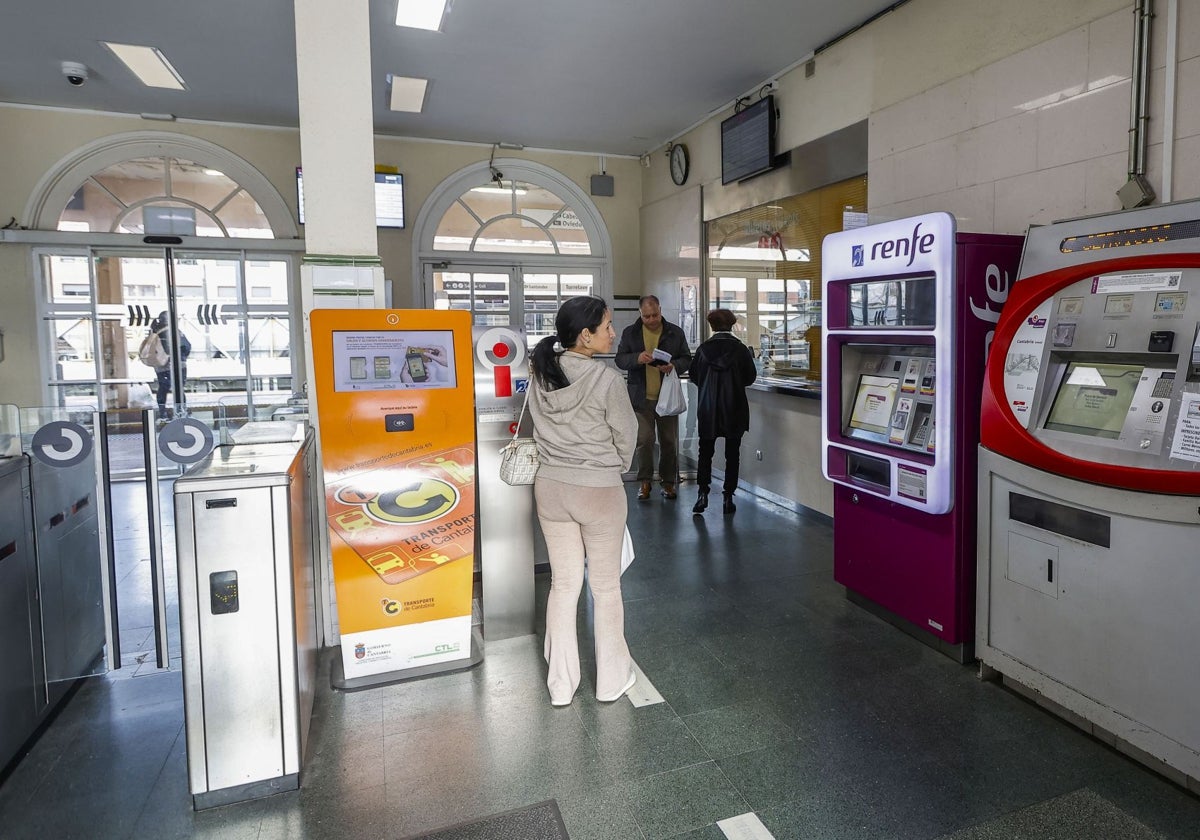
1094, 399
389, 198
393, 360
873, 403
748, 141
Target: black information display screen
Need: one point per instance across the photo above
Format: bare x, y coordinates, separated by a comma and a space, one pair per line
748, 141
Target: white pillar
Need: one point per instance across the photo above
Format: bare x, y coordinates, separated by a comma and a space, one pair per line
337, 154
341, 267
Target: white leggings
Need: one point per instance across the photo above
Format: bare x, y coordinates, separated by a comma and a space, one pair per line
579, 521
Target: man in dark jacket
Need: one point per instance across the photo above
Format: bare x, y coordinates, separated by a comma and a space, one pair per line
635, 354
722, 369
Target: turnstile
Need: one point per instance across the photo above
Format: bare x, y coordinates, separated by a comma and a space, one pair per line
248, 616
22, 685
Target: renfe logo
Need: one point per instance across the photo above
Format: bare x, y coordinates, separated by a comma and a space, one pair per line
997, 286
918, 243
856, 255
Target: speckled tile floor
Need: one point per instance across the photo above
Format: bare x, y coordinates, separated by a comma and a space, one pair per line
781, 698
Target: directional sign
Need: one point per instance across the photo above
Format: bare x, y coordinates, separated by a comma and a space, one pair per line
62, 444
185, 441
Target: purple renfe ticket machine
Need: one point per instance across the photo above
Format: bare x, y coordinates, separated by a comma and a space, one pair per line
909, 309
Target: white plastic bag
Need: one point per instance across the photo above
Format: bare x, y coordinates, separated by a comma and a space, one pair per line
626, 551
671, 400
140, 396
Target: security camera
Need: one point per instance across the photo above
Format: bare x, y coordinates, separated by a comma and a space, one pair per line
75, 72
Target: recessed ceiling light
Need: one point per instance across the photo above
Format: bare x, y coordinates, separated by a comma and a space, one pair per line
407, 94
420, 14
149, 65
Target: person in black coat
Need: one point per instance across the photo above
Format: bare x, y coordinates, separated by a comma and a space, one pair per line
722, 368
165, 372
635, 354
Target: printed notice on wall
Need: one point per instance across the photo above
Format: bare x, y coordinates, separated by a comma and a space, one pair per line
1187, 429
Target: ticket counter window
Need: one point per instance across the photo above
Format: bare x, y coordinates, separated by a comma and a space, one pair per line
764, 264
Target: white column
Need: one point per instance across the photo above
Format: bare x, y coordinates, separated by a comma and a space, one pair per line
333, 72
341, 267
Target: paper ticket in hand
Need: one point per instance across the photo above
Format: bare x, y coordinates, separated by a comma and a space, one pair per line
661, 357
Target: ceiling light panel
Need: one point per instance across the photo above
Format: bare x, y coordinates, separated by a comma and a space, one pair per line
420, 14
149, 65
407, 94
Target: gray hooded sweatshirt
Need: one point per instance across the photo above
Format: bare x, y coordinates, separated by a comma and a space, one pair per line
586, 432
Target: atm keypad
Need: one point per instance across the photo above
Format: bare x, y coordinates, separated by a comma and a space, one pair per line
1163, 387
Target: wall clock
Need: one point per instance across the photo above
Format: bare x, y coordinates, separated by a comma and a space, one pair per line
679, 163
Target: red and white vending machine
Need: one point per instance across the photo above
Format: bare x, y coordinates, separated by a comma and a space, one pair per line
1089, 478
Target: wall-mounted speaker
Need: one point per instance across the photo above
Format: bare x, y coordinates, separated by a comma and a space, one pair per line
602, 185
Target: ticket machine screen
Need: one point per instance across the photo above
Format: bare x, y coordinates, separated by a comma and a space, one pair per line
893, 395
1094, 399
389, 360
873, 403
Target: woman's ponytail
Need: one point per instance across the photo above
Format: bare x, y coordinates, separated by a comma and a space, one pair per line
546, 368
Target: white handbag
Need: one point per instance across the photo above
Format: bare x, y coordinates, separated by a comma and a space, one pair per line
519, 457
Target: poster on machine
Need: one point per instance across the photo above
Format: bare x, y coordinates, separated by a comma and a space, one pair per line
395, 401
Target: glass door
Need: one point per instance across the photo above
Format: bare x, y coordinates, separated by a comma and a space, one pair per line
544, 291
489, 293
223, 319
521, 296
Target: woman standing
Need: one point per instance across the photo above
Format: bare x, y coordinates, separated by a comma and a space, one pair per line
722, 368
585, 431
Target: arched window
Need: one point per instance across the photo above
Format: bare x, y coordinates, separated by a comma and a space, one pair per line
168, 195
508, 241
156, 182
231, 290
511, 217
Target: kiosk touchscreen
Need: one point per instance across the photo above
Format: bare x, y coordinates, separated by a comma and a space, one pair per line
395, 401
908, 309
1089, 469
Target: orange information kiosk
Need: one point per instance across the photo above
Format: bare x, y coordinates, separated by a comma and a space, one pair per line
395, 405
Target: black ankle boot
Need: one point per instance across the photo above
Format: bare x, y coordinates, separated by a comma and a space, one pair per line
701, 502
729, 507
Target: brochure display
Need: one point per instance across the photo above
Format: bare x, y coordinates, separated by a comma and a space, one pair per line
395, 402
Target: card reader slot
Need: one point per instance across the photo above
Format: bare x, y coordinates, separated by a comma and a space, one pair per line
1067, 521
874, 471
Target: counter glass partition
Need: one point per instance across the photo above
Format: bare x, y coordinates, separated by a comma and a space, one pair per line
764, 264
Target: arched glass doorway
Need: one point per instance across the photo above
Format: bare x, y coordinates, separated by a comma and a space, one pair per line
126, 229
210, 272
508, 241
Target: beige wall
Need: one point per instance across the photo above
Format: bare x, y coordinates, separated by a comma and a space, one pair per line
36, 141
